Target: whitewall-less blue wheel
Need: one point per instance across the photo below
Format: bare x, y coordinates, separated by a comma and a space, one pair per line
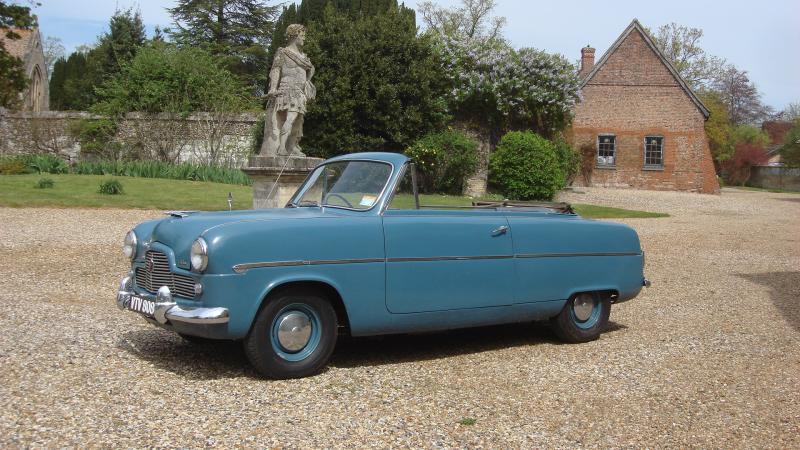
584, 317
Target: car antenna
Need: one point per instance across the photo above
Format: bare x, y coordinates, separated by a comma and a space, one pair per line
230, 201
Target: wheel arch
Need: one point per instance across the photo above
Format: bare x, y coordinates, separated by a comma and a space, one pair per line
605, 292
324, 287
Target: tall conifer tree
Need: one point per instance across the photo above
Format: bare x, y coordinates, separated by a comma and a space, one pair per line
236, 31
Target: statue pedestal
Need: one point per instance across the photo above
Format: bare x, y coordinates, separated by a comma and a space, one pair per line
277, 178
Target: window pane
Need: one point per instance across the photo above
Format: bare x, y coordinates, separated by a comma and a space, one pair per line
653, 151
404, 197
606, 150
348, 184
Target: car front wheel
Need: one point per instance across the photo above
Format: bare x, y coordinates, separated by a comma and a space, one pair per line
583, 318
293, 335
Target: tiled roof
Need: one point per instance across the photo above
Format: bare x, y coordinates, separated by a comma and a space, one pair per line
17, 47
635, 25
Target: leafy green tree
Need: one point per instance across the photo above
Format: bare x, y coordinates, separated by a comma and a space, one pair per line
126, 35
314, 11
748, 134
165, 78
74, 81
719, 130
12, 77
71, 87
790, 151
236, 31
379, 84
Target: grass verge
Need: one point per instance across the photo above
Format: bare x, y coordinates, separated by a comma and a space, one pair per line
81, 191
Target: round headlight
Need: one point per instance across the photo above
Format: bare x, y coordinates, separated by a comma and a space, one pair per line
129, 246
199, 255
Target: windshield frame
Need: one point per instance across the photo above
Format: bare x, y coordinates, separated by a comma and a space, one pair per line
302, 190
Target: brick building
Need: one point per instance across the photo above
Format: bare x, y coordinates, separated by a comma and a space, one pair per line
641, 120
28, 48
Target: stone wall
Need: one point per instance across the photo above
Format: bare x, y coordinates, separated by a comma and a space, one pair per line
772, 177
631, 96
200, 137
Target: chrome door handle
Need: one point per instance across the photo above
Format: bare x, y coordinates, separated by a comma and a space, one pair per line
500, 230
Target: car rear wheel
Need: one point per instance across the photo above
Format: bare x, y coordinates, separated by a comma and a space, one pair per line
583, 318
293, 335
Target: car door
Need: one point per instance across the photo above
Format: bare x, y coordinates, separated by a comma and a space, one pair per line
438, 260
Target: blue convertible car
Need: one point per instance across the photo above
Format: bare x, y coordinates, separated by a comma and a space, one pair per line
354, 252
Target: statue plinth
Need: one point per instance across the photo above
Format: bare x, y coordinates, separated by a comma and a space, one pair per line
277, 178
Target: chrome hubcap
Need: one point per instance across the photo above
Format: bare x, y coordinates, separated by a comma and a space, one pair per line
582, 306
294, 331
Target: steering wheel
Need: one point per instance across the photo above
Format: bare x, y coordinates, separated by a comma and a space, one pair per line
349, 205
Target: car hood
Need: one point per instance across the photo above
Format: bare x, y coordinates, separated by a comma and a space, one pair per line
179, 230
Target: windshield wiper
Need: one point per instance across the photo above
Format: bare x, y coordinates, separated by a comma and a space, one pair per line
305, 203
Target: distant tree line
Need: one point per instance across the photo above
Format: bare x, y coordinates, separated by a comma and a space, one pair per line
733, 100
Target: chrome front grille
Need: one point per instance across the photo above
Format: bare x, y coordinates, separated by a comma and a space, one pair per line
156, 273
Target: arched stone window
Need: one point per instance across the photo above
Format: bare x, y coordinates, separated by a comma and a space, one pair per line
36, 94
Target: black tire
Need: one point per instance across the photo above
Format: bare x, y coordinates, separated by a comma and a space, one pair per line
264, 349
569, 328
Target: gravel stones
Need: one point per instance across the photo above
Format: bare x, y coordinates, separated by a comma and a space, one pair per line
707, 357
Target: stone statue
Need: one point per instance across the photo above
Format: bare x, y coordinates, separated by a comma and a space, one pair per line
290, 89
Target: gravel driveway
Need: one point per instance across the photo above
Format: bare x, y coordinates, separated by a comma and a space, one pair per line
707, 357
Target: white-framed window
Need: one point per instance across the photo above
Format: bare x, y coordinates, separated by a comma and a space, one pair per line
654, 152
606, 150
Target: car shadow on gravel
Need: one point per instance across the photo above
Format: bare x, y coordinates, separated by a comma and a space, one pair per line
784, 291
168, 351
226, 359
393, 349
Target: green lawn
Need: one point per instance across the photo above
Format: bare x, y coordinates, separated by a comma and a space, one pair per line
141, 193
607, 212
153, 193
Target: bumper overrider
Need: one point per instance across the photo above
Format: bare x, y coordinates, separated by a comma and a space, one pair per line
167, 311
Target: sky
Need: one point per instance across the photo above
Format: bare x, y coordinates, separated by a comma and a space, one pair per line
762, 37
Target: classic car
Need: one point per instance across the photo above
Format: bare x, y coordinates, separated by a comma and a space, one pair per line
354, 252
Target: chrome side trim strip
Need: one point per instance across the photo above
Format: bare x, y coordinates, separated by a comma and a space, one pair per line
448, 258
567, 255
241, 268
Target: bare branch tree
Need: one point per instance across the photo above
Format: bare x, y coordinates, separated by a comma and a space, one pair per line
53, 50
741, 96
473, 20
681, 45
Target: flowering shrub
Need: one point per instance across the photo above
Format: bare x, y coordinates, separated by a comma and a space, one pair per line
746, 155
511, 88
525, 166
444, 160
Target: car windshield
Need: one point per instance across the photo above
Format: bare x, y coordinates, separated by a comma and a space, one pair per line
345, 184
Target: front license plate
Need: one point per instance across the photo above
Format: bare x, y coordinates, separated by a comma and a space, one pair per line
142, 306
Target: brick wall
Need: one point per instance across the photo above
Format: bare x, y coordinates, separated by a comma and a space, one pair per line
633, 95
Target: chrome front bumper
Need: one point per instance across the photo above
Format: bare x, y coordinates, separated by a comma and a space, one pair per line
167, 310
